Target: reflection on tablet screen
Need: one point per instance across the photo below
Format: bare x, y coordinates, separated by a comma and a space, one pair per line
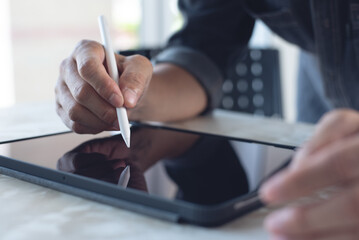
191, 167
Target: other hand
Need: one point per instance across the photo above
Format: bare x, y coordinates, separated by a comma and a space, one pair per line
329, 159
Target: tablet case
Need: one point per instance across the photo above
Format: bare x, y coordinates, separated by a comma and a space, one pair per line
129, 199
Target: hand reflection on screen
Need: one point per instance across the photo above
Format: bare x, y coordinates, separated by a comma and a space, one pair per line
106, 158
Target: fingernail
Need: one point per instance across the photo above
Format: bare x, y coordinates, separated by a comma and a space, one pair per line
130, 96
116, 100
276, 222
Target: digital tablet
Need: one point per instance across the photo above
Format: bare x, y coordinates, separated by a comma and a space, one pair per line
170, 174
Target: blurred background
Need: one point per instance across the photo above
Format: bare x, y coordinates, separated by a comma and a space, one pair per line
36, 35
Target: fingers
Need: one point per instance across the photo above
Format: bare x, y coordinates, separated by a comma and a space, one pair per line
81, 107
333, 126
350, 234
86, 96
135, 74
89, 57
328, 159
75, 126
337, 217
336, 165
75, 116
135, 78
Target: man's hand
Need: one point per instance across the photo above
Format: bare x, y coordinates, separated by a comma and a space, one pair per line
86, 96
329, 159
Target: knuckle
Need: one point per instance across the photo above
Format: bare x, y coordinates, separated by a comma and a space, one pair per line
63, 65
139, 58
84, 43
73, 113
135, 79
78, 128
87, 68
143, 61
105, 88
81, 93
86, 46
108, 116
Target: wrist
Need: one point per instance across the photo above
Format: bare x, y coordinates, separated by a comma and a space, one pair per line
173, 94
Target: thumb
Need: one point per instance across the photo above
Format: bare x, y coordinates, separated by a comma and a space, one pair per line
135, 78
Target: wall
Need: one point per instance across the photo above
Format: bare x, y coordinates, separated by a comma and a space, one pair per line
6, 64
37, 34
43, 33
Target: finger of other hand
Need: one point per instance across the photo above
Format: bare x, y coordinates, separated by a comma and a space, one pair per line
349, 234
337, 164
336, 214
333, 126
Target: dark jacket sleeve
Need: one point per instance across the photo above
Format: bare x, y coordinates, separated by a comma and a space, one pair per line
214, 33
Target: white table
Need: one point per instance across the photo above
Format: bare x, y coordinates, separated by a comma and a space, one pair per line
29, 211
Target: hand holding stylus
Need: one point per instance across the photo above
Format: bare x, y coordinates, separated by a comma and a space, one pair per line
86, 95
113, 71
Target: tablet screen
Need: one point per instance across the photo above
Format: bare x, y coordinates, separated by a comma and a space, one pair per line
191, 167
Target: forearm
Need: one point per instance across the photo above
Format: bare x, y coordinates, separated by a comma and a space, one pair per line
173, 94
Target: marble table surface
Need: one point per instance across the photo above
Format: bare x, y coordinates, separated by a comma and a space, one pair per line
29, 120
40, 119
30, 211
247, 126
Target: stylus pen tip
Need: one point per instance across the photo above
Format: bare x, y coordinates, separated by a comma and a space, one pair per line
124, 177
127, 141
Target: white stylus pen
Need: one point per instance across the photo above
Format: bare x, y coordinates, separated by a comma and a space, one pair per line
113, 71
